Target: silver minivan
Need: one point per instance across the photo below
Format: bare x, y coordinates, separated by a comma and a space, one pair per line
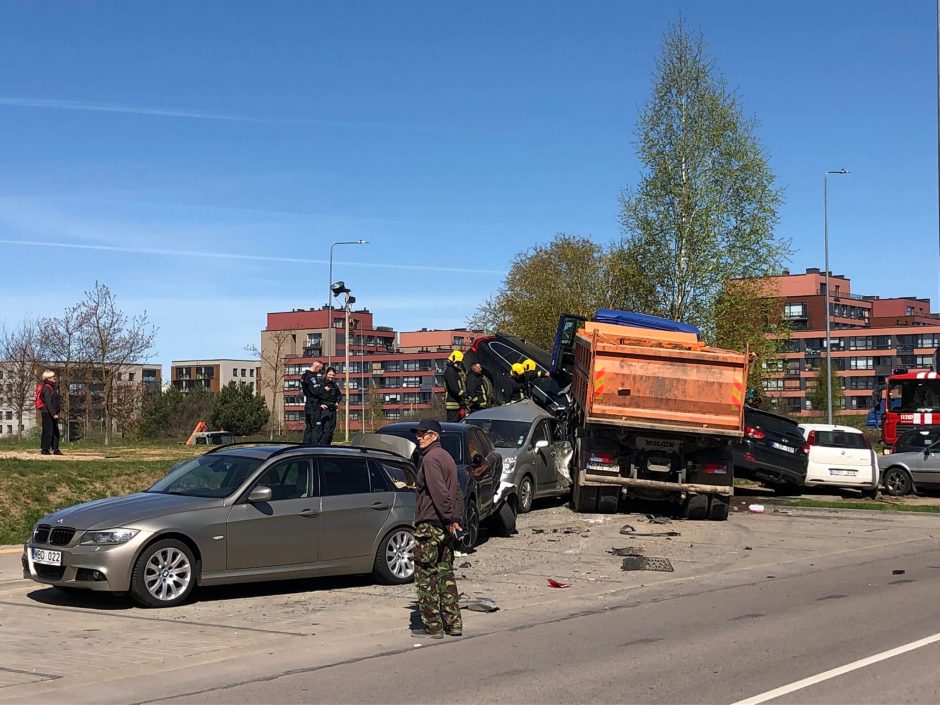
535, 459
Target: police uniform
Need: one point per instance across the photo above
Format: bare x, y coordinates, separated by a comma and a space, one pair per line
329, 396
310, 382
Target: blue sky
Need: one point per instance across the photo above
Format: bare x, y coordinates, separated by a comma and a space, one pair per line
138, 138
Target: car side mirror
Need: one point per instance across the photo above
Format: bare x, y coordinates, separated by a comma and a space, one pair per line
260, 494
541, 444
477, 460
926, 452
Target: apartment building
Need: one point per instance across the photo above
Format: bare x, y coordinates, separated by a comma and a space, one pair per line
870, 336
212, 375
390, 376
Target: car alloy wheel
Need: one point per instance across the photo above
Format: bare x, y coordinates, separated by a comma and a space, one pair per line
896, 482
526, 494
399, 554
471, 528
167, 574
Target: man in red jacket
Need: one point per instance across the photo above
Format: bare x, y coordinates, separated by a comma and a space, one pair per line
49, 412
438, 508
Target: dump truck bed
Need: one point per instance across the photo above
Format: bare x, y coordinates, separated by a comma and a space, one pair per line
660, 381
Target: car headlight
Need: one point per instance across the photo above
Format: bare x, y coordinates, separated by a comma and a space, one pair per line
108, 537
509, 466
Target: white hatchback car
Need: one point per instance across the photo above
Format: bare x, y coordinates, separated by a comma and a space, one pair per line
840, 456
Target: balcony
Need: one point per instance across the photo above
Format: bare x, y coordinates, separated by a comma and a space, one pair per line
313, 351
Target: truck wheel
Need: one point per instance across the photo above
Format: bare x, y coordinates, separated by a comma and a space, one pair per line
583, 499
718, 508
696, 507
608, 499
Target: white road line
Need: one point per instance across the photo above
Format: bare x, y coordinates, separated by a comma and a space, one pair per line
835, 672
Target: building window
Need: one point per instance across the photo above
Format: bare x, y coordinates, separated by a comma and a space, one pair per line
773, 385
411, 382
861, 363
251, 372
9, 416
791, 311
458, 340
244, 372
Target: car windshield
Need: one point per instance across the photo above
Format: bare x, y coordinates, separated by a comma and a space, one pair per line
503, 434
213, 475
917, 440
913, 394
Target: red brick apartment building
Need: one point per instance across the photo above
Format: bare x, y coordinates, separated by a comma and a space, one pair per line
391, 375
870, 337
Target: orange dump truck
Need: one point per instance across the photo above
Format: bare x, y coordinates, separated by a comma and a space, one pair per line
653, 413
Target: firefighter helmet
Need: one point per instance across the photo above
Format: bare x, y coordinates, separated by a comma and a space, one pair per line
517, 368
528, 364
455, 356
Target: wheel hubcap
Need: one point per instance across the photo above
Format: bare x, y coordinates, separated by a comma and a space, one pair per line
399, 554
167, 574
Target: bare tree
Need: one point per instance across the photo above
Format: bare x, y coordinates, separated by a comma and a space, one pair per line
275, 346
61, 346
112, 341
20, 354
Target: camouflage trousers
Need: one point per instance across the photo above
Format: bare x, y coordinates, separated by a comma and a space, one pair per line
434, 579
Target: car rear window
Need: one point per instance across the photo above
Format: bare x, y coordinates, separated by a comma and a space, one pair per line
840, 439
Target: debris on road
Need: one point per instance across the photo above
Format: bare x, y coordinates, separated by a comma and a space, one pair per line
538, 531
653, 519
626, 551
556, 584
748, 548
653, 563
898, 572
628, 530
465, 564
477, 604
756, 508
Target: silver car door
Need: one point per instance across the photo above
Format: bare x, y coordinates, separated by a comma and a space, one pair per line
281, 532
353, 515
547, 481
927, 470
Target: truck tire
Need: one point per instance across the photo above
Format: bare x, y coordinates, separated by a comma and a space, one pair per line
583, 499
696, 507
608, 499
718, 507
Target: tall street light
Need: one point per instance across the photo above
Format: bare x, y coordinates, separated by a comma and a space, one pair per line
331, 336
828, 339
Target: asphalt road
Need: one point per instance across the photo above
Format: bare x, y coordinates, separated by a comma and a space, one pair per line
714, 639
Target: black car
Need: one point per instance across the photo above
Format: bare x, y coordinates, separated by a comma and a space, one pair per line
773, 449
497, 354
479, 468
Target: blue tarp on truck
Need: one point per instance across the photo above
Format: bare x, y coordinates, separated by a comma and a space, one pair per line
643, 320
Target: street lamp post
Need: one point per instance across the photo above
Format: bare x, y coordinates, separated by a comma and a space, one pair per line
346, 373
828, 339
331, 335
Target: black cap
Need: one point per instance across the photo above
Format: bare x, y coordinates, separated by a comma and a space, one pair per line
428, 425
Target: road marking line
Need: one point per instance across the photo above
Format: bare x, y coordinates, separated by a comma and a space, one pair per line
841, 670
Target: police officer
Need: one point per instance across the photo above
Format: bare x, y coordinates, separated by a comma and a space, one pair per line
329, 396
478, 389
455, 386
310, 382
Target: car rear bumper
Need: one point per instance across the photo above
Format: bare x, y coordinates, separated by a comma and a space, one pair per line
105, 568
750, 461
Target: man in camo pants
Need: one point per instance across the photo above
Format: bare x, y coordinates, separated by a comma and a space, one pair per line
438, 506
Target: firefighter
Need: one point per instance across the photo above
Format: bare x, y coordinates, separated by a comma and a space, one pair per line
529, 375
455, 387
479, 392
516, 390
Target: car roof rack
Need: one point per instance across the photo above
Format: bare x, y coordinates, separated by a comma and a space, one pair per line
292, 445
250, 443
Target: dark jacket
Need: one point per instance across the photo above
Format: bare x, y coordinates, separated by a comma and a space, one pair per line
515, 390
455, 386
310, 383
50, 399
329, 394
478, 391
438, 497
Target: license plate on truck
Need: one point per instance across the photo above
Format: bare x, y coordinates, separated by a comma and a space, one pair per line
44, 557
663, 444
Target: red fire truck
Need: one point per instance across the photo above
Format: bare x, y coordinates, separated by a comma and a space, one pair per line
910, 400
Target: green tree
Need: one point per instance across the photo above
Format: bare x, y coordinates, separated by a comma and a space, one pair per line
568, 275
174, 414
238, 409
818, 396
705, 210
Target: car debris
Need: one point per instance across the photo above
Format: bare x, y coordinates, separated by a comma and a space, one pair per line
651, 563
627, 551
653, 519
556, 584
465, 564
477, 604
898, 572
756, 508
628, 530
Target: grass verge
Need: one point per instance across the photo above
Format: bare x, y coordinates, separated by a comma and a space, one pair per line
864, 506
31, 488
